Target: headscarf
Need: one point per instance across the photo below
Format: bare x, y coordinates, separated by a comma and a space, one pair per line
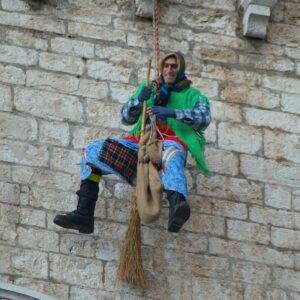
163, 88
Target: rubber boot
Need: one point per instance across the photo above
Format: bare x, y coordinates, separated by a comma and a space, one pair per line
81, 219
179, 211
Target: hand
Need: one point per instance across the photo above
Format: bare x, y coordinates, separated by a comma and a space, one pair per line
145, 93
161, 111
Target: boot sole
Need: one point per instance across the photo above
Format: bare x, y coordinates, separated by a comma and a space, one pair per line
62, 223
181, 215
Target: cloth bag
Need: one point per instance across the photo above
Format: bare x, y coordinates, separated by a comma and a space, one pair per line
149, 188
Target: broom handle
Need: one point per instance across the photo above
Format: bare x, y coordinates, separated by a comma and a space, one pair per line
145, 102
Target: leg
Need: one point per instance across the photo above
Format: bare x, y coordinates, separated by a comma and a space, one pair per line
82, 219
179, 211
174, 181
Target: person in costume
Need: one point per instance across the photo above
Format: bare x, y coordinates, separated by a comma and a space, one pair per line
182, 114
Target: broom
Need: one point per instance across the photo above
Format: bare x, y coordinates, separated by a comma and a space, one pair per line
130, 266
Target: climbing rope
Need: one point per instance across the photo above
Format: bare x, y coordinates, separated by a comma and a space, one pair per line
156, 37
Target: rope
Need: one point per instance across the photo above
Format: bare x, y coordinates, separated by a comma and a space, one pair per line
156, 37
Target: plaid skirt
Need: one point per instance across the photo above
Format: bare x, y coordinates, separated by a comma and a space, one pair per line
119, 157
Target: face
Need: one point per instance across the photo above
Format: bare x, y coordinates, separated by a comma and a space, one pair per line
170, 70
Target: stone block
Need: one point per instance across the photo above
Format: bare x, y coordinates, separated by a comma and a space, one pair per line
44, 198
247, 95
104, 114
83, 136
11, 75
121, 92
26, 129
33, 217
92, 89
206, 224
204, 288
208, 266
32, 22
107, 71
77, 245
287, 279
234, 189
76, 270
44, 178
38, 239
5, 172
92, 14
228, 209
281, 84
220, 161
21, 153
10, 193
248, 232
66, 160
16, 6
264, 118
146, 41
17, 55
282, 33
231, 135
108, 250
56, 290
270, 171
259, 293
52, 82
96, 32
25, 39
221, 111
121, 56
290, 103
251, 273
54, 133
281, 146
208, 87
59, 107
266, 62
61, 63
6, 103
271, 216
78, 293
296, 200
250, 252
285, 238
29, 263
278, 196
72, 47
215, 54
210, 21
229, 74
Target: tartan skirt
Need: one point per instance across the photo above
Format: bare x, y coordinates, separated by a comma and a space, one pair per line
119, 157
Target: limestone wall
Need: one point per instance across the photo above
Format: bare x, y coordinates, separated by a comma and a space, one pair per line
66, 67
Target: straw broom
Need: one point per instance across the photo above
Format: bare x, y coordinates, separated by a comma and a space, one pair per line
130, 266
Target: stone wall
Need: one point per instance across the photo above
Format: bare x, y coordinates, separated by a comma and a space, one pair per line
66, 67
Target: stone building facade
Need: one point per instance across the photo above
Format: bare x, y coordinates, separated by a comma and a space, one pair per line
66, 67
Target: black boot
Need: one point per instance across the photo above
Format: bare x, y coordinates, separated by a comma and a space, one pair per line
82, 218
179, 211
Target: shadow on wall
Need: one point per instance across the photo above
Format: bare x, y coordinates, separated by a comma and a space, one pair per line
37, 4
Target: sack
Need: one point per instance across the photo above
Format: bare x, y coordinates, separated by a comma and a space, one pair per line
149, 187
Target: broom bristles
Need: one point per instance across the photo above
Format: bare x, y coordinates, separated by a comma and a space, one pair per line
130, 266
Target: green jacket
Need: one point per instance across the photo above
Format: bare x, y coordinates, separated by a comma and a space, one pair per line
194, 141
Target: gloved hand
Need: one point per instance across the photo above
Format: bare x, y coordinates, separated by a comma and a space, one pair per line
145, 93
161, 111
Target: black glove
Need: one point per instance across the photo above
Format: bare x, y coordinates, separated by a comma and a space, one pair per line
161, 111
145, 93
